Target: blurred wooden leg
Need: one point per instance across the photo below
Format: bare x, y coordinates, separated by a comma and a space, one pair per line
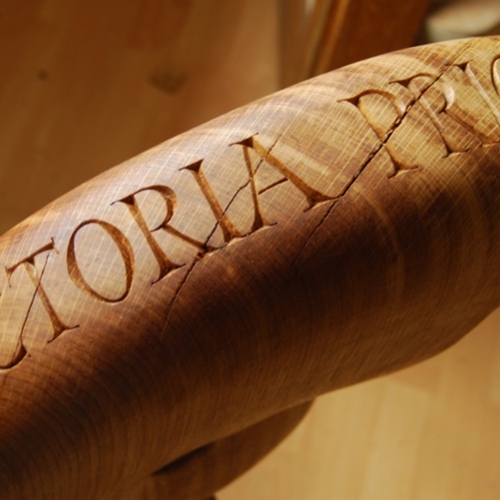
323, 35
359, 29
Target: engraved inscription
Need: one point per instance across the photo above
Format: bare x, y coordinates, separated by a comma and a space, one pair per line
168, 195
383, 128
443, 100
124, 248
313, 196
19, 354
228, 229
28, 263
259, 220
457, 134
489, 113
453, 113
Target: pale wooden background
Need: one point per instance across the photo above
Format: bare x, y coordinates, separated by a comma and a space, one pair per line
85, 84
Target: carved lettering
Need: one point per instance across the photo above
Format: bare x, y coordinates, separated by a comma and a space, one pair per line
397, 104
313, 196
495, 74
19, 355
28, 263
20, 350
170, 198
383, 130
457, 125
259, 220
125, 249
456, 133
457, 109
229, 231
492, 108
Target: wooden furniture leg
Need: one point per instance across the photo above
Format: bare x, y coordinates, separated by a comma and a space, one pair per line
335, 33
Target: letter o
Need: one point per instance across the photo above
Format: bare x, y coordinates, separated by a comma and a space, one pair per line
126, 252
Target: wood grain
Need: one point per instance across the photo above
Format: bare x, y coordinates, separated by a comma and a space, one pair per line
74, 373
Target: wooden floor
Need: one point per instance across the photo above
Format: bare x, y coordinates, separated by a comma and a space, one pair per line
431, 432
85, 84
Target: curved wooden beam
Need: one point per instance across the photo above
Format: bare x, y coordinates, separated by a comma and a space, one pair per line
333, 232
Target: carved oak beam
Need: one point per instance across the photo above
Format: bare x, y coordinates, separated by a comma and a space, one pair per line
336, 231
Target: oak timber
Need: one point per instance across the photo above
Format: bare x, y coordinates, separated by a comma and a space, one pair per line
250, 146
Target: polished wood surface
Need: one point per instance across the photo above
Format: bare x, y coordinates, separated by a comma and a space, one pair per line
380, 420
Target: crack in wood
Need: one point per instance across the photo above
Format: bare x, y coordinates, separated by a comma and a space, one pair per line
230, 231
370, 157
195, 260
